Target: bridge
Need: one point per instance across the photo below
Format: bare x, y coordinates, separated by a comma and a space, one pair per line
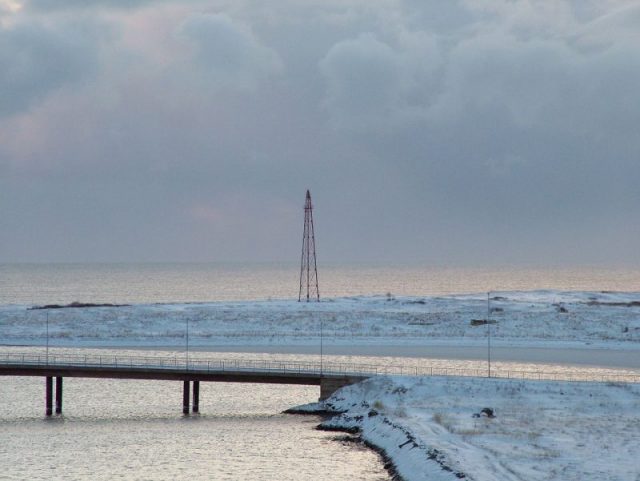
330, 376
190, 371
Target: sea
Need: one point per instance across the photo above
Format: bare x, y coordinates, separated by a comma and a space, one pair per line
134, 430
190, 282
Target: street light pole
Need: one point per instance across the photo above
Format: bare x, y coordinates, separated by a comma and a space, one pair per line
187, 351
489, 333
321, 346
47, 349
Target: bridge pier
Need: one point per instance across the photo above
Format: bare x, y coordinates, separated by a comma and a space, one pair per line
185, 397
196, 396
49, 396
329, 385
58, 394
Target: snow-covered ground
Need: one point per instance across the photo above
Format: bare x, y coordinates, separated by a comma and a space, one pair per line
534, 318
434, 429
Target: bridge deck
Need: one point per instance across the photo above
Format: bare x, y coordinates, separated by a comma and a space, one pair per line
329, 376
173, 368
138, 367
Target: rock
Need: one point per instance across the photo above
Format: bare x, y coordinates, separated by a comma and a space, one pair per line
488, 412
481, 322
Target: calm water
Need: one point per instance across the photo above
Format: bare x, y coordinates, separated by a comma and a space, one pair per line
134, 430
44, 283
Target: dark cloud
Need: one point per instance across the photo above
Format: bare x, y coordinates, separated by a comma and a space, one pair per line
227, 54
363, 82
36, 59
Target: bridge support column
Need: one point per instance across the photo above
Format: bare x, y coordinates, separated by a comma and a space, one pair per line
196, 396
185, 397
59, 395
330, 385
49, 396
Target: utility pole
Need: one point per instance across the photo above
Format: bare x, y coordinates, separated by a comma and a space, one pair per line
187, 339
321, 347
489, 333
308, 267
47, 350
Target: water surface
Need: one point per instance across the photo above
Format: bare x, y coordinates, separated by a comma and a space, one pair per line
134, 430
142, 283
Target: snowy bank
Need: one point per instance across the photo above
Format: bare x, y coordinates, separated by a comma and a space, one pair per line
532, 318
434, 429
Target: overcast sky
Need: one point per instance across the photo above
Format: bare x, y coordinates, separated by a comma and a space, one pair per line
463, 132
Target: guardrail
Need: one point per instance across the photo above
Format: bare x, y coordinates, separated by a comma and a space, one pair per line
291, 367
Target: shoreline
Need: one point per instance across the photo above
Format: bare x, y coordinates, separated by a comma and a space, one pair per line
388, 462
341, 422
535, 430
318, 410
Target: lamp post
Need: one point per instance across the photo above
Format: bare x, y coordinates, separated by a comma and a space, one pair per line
489, 333
187, 338
321, 346
47, 348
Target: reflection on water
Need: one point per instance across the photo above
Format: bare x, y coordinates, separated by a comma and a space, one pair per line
119, 429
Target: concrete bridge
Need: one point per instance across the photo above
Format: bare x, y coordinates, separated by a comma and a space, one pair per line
330, 376
190, 371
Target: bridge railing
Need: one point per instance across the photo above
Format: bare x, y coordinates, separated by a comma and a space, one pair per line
291, 367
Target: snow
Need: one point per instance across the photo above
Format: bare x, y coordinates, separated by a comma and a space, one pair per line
432, 430
533, 318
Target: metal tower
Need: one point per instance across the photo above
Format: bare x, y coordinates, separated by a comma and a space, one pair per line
308, 267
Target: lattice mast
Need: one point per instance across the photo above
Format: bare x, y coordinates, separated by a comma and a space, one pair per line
308, 266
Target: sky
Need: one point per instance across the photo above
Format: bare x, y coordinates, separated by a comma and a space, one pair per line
482, 132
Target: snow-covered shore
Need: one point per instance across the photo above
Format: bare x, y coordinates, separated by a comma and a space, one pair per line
433, 429
532, 318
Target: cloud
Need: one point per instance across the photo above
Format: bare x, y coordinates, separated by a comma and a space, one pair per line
542, 82
363, 82
48, 5
536, 63
36, 60
228, 54
8, 7
372, 84
440, 131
